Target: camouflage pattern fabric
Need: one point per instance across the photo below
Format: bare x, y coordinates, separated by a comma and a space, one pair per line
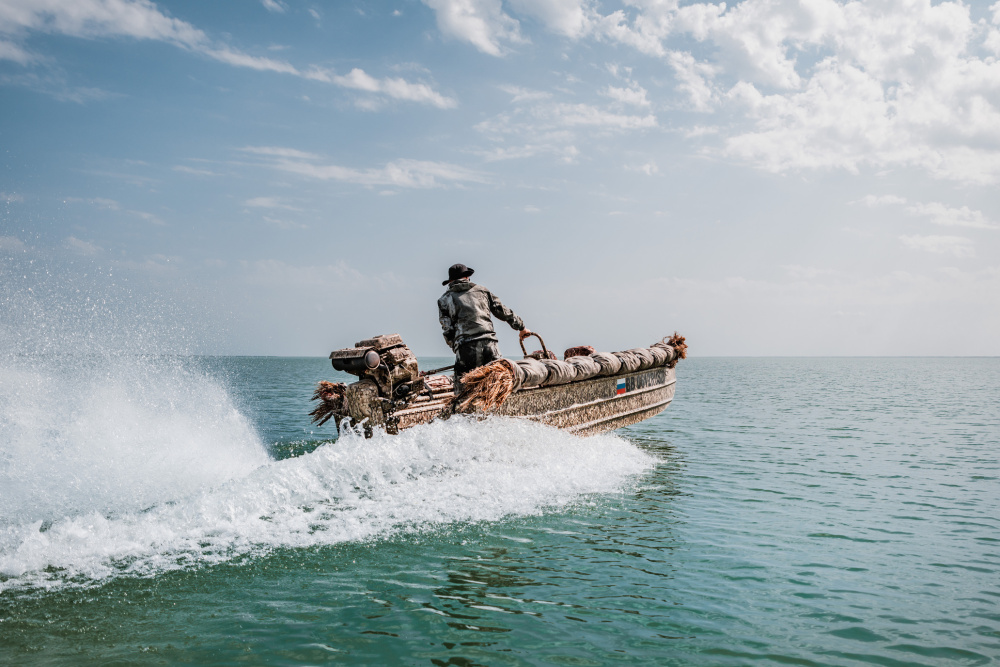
464, 311
473, 354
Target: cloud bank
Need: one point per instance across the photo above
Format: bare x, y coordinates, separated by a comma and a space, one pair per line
806, 84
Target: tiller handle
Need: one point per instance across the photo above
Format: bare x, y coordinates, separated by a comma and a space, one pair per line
545, 350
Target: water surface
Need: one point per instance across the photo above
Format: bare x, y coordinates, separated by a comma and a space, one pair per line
781, 511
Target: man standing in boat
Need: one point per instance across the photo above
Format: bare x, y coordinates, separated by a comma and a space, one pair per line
464, 311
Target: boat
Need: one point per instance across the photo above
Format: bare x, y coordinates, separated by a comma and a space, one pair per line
586, 392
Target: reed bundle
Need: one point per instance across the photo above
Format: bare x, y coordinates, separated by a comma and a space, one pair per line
677, 342
331, 397
487, 387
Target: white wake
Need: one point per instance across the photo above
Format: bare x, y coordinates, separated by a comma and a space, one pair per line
134, 472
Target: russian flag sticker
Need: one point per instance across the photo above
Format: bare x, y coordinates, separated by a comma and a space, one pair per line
620, 387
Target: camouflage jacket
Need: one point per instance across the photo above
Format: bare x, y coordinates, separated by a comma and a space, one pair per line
465, 310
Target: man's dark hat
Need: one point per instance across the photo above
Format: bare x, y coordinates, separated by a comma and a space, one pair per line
456, 271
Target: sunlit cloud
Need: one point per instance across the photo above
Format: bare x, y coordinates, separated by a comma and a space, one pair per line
898, 84
395, 88
275, 6
403, 173
142, 19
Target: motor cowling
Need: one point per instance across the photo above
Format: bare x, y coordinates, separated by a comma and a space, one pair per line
355, 360
385, 359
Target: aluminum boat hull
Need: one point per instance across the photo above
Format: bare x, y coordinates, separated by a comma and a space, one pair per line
585, 408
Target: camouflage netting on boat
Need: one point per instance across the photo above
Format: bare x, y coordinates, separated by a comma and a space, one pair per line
530, 372
560, 372
487, 387
630, 362
586, 367
609, 363
547, 372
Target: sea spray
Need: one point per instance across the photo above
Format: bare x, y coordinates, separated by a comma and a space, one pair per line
430, 476
122, 456
103, 412
113, 434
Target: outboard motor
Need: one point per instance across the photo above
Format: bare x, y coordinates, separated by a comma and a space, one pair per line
388, 377
385, 359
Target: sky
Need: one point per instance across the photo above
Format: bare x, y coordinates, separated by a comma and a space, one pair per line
285, 177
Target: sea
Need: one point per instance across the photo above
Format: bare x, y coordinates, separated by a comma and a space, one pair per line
170, 510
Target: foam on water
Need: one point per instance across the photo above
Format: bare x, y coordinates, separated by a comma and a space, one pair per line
137, 483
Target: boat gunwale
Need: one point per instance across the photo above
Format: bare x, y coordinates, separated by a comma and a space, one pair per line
609, 399
437, 403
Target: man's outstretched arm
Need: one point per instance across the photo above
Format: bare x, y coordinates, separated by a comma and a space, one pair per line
502, 312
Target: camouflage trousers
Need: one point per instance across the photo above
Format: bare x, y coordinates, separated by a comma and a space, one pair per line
474, 354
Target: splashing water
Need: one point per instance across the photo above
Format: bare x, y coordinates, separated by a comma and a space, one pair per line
355, 489
117, 462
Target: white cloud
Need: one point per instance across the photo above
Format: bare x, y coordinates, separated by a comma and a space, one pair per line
898, 85
11, 51
482, 23
55, 84
805, 84
648, 168
500, 153
940, 214
142, 19
400, 173
148, 217
240, 59
519, 94
81, 247
693, 80
277, 151
572, 115
634, 95
191, 170
881, 200
270, 202
696, 131
570, 18
11, 243
396, 88
537, 124
275, 6
959, 246
138, 19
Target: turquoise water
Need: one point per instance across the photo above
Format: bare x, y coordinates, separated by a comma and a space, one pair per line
781, 511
